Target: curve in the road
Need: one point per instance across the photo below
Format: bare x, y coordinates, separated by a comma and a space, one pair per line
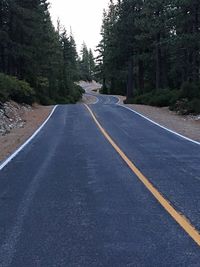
111, 99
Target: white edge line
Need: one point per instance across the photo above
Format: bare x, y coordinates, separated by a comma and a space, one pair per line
118, 103
163, 127
11, 157
97, 99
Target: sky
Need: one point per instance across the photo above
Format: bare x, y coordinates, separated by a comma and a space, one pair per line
84, 17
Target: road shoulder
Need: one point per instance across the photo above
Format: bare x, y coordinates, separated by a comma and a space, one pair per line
33, 118
188, 126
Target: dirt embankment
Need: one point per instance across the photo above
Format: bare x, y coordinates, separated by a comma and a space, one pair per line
17, 124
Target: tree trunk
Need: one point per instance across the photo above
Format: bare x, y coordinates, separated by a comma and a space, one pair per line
164, 69
104, 88
112, 86
196, 49
130, 81
158, 62
141, 76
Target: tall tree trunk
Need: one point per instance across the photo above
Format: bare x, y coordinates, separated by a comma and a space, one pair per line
130, 81
196, 7
112, 86
141, 75
2, 63
158, 62
104, 88
164, 69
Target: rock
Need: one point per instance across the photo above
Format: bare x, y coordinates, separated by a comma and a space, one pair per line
11, 116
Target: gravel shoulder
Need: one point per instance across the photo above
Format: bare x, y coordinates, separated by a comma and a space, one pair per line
31, 119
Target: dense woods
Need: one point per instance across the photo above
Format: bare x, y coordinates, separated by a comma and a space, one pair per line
150, 51
86, 64
37, 61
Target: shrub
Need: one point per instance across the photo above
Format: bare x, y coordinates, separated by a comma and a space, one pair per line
164, 98
14, 89
180, 106
76, 94
193, 106
160, 98
185, 106
23, 93
5, 87
190, 90
45, 100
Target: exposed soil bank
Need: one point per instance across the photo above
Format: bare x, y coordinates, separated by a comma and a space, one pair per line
17, 124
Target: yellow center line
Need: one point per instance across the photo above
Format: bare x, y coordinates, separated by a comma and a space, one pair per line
179, 218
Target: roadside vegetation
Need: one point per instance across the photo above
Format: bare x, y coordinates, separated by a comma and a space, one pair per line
150, 52
38, 63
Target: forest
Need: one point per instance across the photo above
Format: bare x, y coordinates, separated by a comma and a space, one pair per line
150, 52
39, 63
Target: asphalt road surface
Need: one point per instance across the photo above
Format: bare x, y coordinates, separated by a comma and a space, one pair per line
69, 199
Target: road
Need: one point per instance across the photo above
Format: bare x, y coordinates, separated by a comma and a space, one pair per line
69, 199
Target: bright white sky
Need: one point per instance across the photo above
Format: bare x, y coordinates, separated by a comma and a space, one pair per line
84, 17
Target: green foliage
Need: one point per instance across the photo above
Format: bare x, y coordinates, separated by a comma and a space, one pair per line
86, 64
185, 106
162, 98
193, 106
76, 93
12, 88
32, 50
177, 100
190, 90
42, 85
147, 46
6, 86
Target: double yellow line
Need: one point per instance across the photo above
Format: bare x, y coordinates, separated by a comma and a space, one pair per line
179, 218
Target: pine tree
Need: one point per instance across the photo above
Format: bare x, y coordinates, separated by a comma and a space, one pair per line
91, 64
85, 64
151, 45
31, 49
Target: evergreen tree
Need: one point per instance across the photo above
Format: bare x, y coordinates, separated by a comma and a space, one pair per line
32, 50
149, 45
91, 64
86, 64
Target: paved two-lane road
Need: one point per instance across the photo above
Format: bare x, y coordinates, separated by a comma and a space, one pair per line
69, 199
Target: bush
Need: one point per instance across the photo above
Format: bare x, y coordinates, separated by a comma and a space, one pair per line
6, 85
190, 90
185, 106
189, 99
45, 100
193, 106
13, 89
184, 101
76, 94
162, 98
23, 93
